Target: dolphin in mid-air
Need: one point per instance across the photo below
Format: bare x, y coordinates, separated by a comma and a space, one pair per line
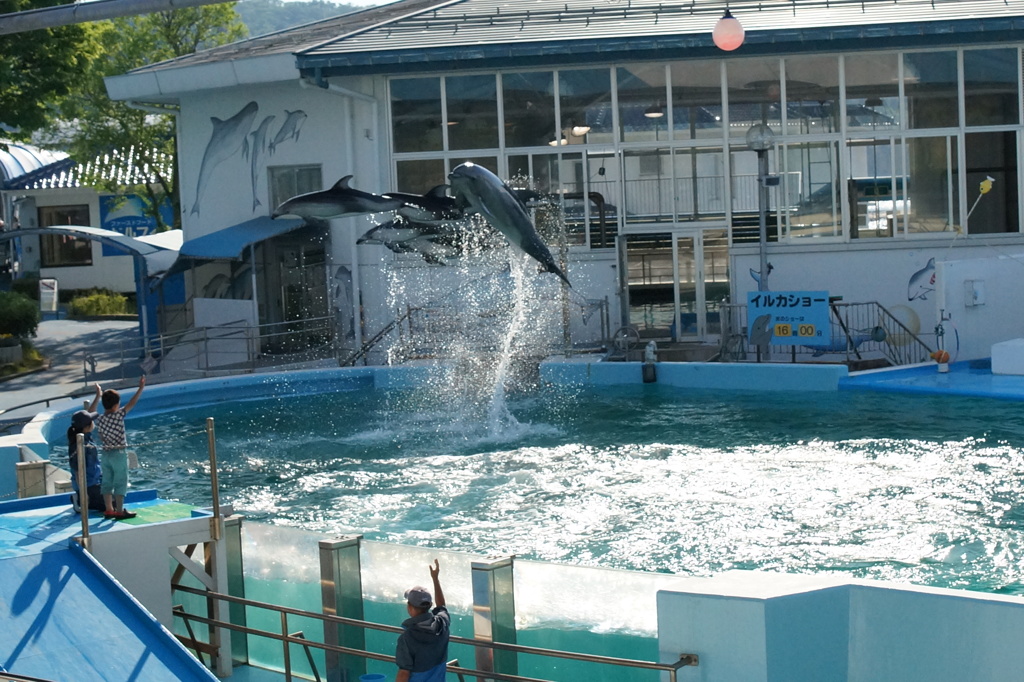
433, 208
483, 192
339, 200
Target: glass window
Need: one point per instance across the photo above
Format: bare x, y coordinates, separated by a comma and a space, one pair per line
472, 112
990, 87
647, 188
416, 114
872, 92
529, 101
875, 188
585, 99
992, 187
643, 105
700, 183
696, 100
932, 195
810, 190
930, 86
755, 95
812, 95
420, 176
56, 250
289, 181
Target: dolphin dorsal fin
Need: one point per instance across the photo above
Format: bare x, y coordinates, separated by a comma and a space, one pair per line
343, 183
438, 192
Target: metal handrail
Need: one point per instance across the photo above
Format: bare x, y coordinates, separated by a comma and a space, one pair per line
670, 668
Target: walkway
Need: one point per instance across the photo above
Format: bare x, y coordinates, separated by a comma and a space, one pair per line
65, 343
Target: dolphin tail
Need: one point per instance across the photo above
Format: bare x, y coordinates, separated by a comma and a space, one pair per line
270, 147
195, 208
255, 203
551, 267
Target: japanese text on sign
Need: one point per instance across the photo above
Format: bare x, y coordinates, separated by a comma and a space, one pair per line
785, 318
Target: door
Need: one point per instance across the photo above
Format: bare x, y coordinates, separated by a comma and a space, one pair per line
676, 282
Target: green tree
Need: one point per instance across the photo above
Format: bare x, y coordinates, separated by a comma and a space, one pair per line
100, 126
38, 69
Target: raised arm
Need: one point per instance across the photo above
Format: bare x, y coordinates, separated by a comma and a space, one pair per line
435, 572
96, 400
135, 398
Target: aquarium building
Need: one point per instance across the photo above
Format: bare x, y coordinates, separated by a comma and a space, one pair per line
890, 133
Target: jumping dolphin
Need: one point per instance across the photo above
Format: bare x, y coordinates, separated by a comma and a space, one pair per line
484, 193
402, 237
434, 207
259, 145
227, 137
339, 200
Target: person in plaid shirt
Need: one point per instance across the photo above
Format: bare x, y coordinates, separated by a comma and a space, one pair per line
110, 424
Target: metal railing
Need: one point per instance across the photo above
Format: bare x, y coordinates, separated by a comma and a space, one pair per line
862, 334
287, 639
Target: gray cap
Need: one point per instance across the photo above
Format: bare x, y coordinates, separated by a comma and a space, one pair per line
418, 596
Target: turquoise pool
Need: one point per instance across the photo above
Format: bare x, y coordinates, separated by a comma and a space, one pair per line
927, 490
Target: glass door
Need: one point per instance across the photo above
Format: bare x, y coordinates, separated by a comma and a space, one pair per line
676, 283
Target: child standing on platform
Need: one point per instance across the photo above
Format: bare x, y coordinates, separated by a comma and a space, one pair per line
82, 422
115, 449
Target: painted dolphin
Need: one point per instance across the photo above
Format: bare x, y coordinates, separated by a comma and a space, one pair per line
339, 200
432, 208
483, 192
291, 128
256, 149
761, 331
922, 282
840, 342
227, 138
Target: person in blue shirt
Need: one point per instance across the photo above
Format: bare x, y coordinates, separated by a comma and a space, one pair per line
422, 651
82, 422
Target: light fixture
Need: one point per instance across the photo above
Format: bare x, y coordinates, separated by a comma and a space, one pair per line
728, 33
654, 111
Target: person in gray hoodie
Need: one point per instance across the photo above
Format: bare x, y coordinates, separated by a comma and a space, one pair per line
422, 651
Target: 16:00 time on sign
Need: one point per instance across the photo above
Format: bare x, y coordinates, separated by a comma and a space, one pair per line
783, 329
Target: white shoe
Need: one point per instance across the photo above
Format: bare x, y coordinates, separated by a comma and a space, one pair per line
74, 503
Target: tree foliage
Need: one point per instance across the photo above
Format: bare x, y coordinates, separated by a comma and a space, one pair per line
267, 16
94, 126
38, 69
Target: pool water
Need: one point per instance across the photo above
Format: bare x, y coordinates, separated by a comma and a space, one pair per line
928, 490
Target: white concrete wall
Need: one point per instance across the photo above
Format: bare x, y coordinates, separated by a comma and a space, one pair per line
767, 627
971, 330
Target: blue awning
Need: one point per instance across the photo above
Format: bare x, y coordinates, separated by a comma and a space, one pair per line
231, 242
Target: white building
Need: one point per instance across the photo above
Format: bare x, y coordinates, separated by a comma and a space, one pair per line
887, 119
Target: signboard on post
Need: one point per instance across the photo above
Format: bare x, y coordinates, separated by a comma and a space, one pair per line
786, 318
48, 295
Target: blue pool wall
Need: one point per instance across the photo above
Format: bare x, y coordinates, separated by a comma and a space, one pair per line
51, 426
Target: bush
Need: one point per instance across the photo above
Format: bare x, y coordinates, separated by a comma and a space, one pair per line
98, 303
27, 287
19, 314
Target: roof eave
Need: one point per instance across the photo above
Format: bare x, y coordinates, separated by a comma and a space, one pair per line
168, 84
680, 46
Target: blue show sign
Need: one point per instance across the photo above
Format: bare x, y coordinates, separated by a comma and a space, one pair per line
127, 214
785, 318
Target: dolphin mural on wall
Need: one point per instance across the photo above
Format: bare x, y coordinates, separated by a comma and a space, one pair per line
256, 149
922, 282
290, 129
340, 200
227, 138
481, 191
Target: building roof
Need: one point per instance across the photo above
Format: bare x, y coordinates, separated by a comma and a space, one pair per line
21, 159
492, 32
120, 165
440, 35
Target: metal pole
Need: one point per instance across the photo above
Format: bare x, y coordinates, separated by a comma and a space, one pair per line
83, 492
763, 351
212, 445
